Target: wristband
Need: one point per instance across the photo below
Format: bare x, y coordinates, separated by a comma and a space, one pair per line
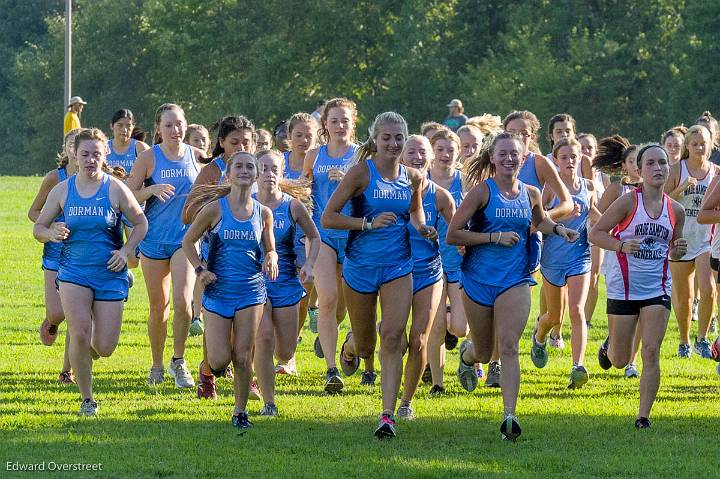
369, 225
622, 243
364, 224
497, 241
199, 270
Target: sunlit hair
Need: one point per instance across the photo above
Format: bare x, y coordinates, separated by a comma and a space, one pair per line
299, 189
431, 125
557, 119
95, 134
480, 168
696, 129
565, 142
425, 143
227, 125
522, 115
708, 120
62, 158
158, 116
338, 103
366, 150
487, 124
678, 131
611, 154
208, 193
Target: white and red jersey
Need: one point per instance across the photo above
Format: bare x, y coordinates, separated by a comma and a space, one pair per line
697, 235
645, 274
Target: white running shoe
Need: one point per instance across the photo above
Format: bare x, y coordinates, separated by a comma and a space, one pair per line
181, 374
631, 371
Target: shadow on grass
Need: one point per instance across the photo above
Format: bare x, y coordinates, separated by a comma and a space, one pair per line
152, 446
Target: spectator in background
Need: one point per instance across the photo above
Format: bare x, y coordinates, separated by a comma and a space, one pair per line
263, 140
72, 117
455, 118
319, 109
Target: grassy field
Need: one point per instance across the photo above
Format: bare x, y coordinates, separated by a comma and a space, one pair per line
166, 432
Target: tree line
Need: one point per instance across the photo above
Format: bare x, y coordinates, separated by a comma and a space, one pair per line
635, 68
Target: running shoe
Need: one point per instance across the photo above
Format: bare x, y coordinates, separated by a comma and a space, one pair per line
694, 314
436, 390
206, 385
289, 368
269, 409
48, 333
479, 369
494, 375
312, 323
196, 327
368, 378
405, 411
317, 347
427, 374
88, 408
348, 366
631, 371
642, 423
156, 376
181, 374
510, 428
241, 421
466, 372
557, 343
538, 352
386, 427
228, 373
603, 358
684, 351
703, 348
254, 392
578, 377
66, 377
131, 279
451, 341
333, 381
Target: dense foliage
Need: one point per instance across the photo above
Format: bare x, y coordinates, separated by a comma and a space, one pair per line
631, 67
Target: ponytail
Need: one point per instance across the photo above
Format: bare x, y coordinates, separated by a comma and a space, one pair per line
612, 152
369, 147
480, 168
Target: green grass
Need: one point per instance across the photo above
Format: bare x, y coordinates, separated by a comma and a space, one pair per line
165, 432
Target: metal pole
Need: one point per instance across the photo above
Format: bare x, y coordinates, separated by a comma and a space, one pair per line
68, 53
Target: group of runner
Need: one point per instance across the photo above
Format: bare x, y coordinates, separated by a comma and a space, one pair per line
453, 226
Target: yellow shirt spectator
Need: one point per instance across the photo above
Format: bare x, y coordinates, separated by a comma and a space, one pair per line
72, 117
72, 122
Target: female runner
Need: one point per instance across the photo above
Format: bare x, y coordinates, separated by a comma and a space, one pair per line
67, 166
162, 176
427, 271
688, 181
497, 266
565, 267
447, 328
617, 157
233, 276
235, 133
384, 196
92, 277
643, 228
325, 167
279, 327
